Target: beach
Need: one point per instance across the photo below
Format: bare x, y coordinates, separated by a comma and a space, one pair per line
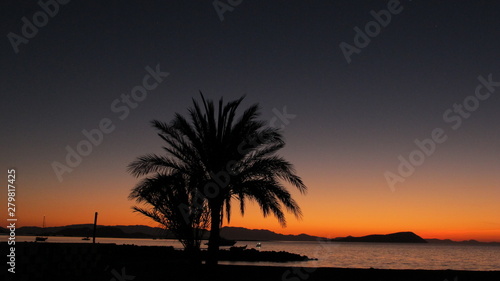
59, 261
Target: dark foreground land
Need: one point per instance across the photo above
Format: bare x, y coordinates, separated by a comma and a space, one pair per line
109, 262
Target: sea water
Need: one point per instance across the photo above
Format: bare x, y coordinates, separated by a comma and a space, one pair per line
344, 255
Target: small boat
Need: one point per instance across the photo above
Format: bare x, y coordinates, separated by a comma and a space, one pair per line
41, 238
258, 245
224, 242
86, 238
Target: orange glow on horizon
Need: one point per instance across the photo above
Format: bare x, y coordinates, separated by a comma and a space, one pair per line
428, 204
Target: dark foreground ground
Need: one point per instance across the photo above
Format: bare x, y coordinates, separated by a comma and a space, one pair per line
109, 262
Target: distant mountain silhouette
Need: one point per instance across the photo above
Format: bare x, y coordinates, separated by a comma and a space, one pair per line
399, 237
152, 231
79, 230
241, 233
142, 231
233, 233
469, 242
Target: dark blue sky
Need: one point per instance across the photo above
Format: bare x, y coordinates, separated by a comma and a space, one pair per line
353, 117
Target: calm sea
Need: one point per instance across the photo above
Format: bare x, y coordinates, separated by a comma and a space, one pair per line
348, 255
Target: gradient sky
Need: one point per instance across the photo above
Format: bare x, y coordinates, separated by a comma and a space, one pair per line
352, 120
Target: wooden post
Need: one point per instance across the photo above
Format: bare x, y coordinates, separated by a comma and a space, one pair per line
95, 226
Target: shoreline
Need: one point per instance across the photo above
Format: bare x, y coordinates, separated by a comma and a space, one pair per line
79, 261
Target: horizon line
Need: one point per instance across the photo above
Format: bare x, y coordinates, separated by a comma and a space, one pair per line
469, 240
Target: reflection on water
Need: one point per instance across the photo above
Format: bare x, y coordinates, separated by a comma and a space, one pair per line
348, 255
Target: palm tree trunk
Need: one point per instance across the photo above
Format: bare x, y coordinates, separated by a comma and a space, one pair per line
214, 238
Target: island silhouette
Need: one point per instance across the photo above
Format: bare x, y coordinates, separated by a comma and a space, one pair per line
398, 237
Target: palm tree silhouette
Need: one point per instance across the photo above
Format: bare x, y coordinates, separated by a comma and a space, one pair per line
225, 158
163, 194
